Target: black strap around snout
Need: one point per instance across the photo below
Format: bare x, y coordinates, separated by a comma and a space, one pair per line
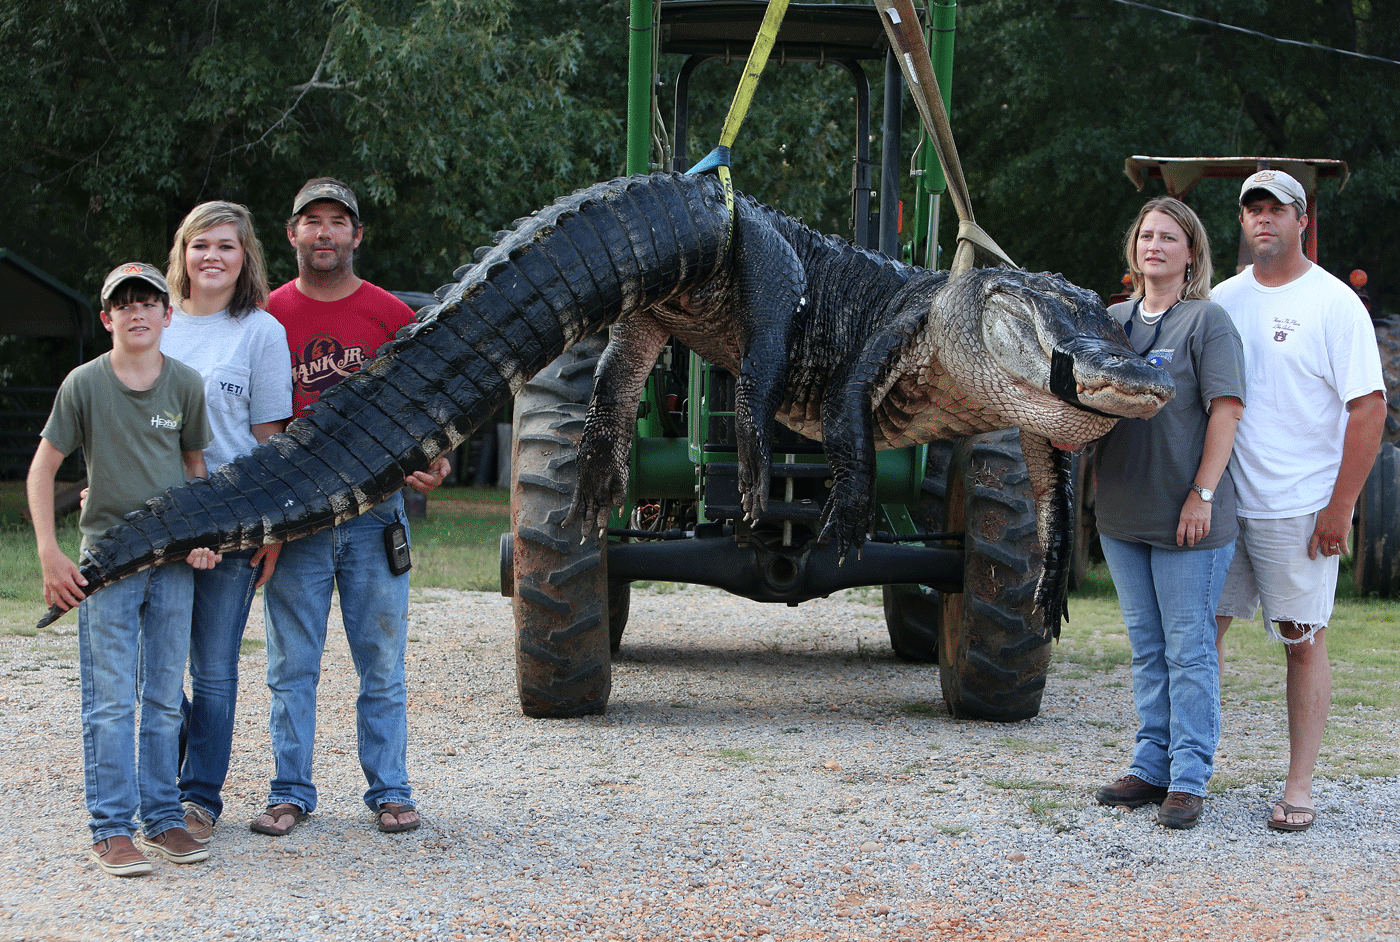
1063, 384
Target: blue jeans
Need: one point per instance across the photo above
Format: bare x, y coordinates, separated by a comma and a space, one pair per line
222, 598
1168, 599
133, 638
374, 608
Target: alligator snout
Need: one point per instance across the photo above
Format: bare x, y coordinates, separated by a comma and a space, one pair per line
1109, 377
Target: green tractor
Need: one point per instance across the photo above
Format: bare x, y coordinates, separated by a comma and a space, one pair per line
955, 547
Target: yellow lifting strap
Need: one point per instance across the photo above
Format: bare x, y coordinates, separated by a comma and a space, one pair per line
902, 26
718, 159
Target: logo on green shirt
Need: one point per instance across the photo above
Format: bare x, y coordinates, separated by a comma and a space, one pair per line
168, 420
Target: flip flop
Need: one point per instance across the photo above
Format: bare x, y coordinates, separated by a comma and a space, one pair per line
1288, 809
394, 809
274, 814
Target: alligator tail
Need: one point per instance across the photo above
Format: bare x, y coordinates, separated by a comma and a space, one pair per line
561, 274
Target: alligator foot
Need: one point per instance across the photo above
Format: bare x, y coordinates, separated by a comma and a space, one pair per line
845, 519
600, 486
755, 470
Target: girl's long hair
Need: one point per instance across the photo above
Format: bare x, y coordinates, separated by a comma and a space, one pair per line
250, 291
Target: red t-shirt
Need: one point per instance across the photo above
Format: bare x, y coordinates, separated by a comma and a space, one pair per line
330, 340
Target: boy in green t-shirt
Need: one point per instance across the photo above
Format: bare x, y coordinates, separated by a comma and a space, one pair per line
139, 418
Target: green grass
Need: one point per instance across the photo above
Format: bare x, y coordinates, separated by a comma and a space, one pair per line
469, 495
21, 581
1360, 644
458, 551
1014, 784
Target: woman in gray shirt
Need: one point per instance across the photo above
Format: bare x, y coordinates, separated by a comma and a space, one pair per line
1165, 506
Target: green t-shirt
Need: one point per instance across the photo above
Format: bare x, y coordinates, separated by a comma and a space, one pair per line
132, 440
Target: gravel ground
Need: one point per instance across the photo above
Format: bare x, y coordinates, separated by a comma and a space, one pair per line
762, 771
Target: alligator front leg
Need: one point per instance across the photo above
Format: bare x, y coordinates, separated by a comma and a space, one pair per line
769, 282
1052, 484
848, 430
605, 448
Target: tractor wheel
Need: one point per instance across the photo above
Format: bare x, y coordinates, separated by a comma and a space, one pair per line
1376, 555
992, 656
619, 606
1388, 341
560, 577
913, 613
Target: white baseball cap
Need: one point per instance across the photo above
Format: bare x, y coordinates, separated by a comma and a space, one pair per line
1277, 184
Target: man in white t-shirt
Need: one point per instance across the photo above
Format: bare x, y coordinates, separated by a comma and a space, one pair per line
1302, 454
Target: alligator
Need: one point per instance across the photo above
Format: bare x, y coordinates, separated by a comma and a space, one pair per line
836, 342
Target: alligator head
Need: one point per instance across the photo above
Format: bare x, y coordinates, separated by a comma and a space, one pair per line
1051, 359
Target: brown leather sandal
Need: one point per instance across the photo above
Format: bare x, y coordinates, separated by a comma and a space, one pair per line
274, 815
1285, 824
394, 810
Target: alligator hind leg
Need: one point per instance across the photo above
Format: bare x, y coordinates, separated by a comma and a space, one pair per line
606, 446
770, 283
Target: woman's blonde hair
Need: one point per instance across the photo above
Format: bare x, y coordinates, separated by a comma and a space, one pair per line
250, 291
1198, 271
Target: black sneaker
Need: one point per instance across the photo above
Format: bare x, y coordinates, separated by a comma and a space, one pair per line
1180, 811
1131, 792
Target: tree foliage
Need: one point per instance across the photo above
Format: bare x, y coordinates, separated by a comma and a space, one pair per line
453, 117
1051, 97
443, 114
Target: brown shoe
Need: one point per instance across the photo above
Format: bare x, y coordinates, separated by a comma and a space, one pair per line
1180, 811
199, 823
120, 858
176, 846
1130, 792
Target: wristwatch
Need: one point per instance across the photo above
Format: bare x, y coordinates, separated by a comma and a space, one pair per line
1206, 493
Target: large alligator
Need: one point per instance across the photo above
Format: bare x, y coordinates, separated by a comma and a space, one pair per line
837, 342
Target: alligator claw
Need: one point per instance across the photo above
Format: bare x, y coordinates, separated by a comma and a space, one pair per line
848, 523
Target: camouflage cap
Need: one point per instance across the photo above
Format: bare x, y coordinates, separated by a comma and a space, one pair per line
1277, 184
321, 190
138, 270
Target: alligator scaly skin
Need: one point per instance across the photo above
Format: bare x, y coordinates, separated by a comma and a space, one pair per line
837, 342
564, 273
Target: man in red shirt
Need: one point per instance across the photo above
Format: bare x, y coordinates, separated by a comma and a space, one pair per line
335, 323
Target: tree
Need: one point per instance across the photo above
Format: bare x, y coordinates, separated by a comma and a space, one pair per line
1049, 99
121, 116
453, 117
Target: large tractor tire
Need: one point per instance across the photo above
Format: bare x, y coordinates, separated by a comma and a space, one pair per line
992, 656
619, 607
559, 577
1376, 555
914, 613
1388, 342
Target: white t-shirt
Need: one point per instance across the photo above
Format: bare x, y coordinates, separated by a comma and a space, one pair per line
1309, 349
247, 372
